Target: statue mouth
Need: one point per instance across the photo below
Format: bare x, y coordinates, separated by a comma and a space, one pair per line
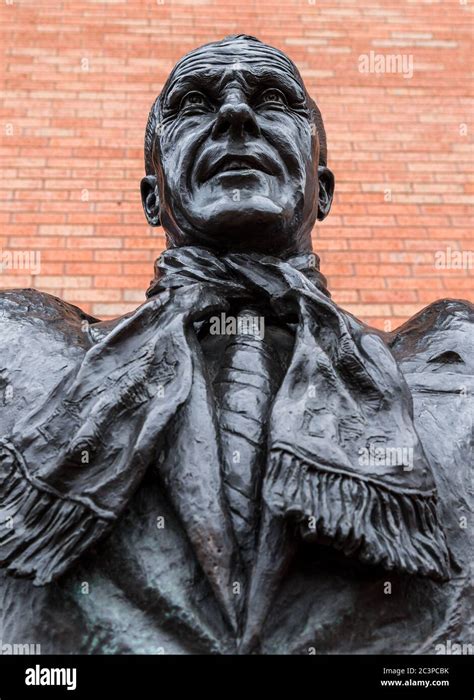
238, 164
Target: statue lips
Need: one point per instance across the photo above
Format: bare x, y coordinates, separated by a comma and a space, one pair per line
236, 163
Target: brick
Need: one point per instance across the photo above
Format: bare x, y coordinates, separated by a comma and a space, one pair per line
93, 268
13, 280
113, 309
368, 310
92, 295
60, 281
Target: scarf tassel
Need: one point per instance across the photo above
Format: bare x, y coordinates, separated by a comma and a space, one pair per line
371, 522
41, 534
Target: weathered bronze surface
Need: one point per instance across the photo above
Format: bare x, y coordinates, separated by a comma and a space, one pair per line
239, 466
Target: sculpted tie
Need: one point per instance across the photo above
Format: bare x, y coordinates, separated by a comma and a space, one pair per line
245, 386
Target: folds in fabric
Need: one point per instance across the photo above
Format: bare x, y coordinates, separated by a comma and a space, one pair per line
70, 468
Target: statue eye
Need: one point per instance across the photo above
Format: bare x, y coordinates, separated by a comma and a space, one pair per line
272, 96
193, 99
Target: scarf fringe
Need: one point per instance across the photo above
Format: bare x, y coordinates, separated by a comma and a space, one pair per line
368, 521
41, 534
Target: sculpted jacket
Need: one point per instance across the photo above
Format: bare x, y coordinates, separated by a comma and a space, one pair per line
167, 489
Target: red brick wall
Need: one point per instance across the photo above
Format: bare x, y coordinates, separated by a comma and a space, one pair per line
79, 78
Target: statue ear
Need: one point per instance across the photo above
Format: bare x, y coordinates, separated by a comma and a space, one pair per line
326, 191
150, 199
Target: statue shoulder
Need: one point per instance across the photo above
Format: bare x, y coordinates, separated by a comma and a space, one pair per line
41, 338
435, 351
439, 339
25, 308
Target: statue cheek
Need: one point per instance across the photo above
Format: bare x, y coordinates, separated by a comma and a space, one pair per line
294, 147
188, 131
171, 167
304, 142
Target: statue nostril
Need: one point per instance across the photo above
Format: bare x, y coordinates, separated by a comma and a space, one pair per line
251, 127
223, 126
236, 118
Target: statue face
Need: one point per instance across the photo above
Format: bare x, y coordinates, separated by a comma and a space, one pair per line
235, 158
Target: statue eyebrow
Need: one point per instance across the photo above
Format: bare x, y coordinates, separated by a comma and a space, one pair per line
182, 85
210, 80
283, 80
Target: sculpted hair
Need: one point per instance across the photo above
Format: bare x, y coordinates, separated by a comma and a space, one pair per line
155, 111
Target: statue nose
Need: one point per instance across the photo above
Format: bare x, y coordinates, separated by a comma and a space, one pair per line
236, 119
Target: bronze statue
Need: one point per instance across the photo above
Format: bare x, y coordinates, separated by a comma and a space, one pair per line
238, 466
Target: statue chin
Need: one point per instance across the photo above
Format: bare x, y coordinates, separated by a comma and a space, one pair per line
257, 223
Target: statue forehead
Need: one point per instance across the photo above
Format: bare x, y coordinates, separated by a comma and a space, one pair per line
247, 57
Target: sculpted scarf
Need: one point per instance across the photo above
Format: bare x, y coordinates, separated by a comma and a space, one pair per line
344, 463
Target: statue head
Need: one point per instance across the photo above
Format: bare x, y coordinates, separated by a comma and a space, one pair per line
235, 152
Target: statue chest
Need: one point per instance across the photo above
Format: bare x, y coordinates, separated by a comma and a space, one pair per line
143, 591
